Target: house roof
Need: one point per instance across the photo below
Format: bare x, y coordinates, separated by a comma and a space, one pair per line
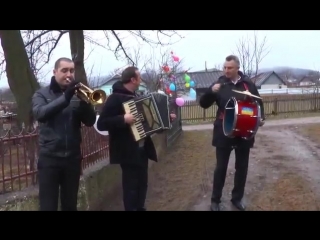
312, 79
209, 70
201, 79
263, 77
102, 80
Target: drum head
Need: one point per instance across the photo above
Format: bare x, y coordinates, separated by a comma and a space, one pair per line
229, 117
104, 133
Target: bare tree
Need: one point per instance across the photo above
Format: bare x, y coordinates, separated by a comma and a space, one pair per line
22, 82
21, 78
251, 52
40, 45
218, 67
151, 65
77, 52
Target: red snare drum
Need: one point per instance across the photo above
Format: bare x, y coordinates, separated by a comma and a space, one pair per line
241, 118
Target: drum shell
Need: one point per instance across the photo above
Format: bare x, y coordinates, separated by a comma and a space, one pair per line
244, 118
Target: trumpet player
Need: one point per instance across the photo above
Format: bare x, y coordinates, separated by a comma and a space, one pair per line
60, 114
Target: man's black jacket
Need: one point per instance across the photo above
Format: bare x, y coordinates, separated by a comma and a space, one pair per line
221, 98
122, 146
60, 121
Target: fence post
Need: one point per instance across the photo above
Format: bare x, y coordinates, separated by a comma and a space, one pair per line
204, 114
275, 106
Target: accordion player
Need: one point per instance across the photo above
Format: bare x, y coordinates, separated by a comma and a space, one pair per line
151, 112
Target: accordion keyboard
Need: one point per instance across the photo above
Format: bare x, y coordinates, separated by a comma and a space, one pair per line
136, 127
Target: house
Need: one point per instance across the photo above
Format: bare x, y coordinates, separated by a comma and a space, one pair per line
7, 120
203, 80
307, 81
105, 84
269, 80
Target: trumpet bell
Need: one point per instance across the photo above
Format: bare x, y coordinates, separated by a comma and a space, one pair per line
95, 97
98, 96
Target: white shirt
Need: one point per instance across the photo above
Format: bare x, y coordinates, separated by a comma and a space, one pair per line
236, 81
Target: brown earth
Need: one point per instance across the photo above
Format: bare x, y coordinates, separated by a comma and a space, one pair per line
179, 179
284, 171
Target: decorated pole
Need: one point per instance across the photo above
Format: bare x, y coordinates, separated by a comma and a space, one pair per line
169, 83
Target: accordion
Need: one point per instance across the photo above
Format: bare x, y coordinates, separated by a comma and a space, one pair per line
151, 113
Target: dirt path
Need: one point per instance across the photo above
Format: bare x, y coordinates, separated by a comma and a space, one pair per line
284, 171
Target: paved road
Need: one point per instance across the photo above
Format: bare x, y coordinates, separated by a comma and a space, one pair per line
270, 123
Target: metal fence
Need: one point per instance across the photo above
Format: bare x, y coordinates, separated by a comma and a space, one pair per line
19, 156
273, 105
19, 153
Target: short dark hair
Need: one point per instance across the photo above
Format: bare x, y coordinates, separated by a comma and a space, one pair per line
233, 58
63, 59
128, 73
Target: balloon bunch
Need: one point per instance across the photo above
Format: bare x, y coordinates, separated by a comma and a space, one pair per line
169, 84
190, 84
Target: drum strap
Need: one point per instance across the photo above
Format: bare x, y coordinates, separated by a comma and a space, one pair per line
221, 116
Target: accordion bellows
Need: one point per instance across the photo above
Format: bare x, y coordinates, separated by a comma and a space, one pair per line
151, 112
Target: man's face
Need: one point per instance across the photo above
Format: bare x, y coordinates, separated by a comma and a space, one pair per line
230, 69
137, 80
64, 71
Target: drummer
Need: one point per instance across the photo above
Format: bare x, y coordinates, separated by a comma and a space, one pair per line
219, 93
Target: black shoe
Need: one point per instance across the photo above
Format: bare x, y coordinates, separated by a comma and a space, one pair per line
239, 205
141, 209
215, 207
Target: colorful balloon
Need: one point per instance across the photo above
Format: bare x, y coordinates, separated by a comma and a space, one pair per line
172, 87
168, 90
180, 102
175, 58
193, 94
166, 68
192, 83
187, 78
187, 85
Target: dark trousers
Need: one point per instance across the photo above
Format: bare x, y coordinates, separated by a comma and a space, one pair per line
58, 177
135, 183
240, 177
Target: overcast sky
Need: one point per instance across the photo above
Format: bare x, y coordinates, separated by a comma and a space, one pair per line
299, 49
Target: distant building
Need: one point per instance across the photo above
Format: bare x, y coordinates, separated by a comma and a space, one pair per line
105, 84
203, 80
308, 81
269, 80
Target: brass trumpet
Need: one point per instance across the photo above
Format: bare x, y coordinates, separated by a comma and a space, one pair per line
95, 97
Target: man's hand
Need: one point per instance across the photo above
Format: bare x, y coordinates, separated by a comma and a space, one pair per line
129, 118
261, 123
216, 87
173, 117
71, 88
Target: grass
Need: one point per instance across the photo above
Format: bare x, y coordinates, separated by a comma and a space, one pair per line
290, 192
311, 131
